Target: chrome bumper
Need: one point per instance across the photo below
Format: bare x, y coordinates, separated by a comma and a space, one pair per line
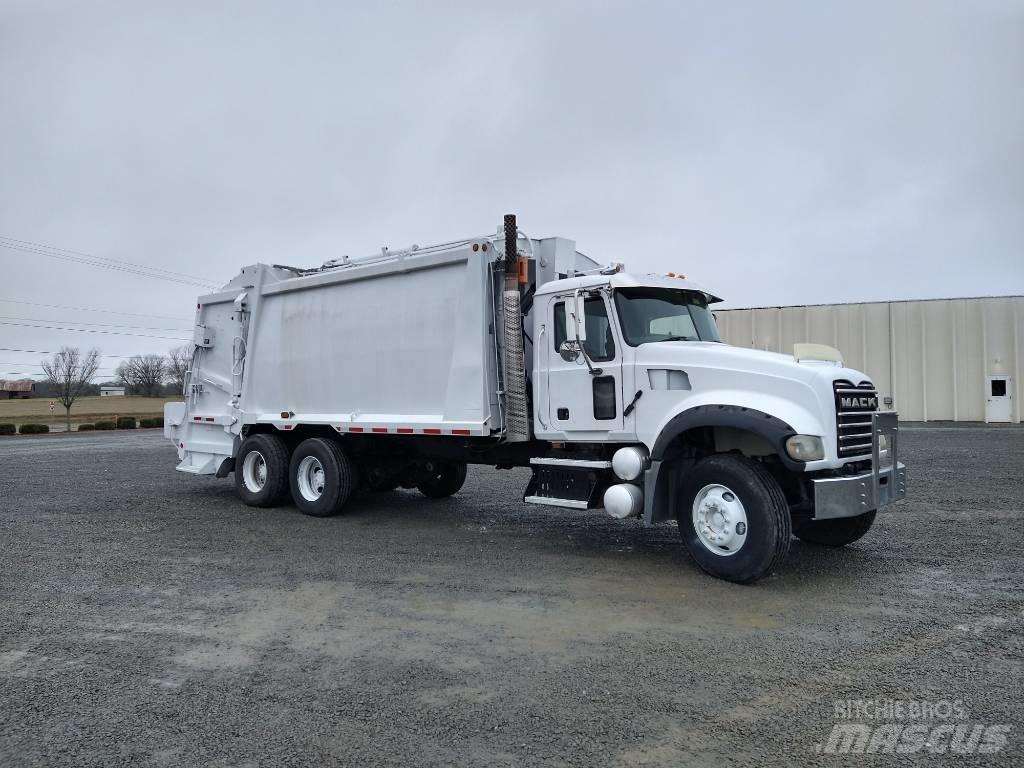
854, 495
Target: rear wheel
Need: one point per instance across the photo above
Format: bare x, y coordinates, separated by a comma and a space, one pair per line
376, 480
734, 518
445, 480
261, 471
834, 533
322, 477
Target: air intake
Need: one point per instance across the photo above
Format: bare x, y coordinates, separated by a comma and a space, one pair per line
517, 417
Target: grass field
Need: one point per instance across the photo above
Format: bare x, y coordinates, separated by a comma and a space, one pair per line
85, 409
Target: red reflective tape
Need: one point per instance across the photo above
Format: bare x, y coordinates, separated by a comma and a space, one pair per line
431, 431
355, 429
404, 431
380, 429
288, 426
197, 418
209, 418
460, 432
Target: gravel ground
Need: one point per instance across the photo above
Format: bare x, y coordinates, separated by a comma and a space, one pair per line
149, 618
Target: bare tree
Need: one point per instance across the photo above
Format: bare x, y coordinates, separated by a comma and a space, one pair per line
143, 373
70, 372
178, 360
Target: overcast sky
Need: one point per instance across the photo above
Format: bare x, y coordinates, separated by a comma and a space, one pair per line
776, 152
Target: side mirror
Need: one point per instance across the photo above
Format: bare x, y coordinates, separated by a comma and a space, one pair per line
579, 330
569, 350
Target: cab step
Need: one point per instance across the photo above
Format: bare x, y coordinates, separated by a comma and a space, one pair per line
570, 483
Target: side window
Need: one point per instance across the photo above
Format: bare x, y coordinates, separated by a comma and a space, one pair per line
559, 334
604, 397
600, 343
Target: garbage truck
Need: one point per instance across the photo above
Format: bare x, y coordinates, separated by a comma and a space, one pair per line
612, 387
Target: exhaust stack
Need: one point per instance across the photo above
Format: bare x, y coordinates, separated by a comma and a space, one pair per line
517, 417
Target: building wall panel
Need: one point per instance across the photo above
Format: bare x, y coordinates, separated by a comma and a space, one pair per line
931, 357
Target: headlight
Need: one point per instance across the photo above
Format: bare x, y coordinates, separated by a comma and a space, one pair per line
805, 448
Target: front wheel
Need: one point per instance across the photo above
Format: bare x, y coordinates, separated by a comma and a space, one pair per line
322, 477
734, 518
834, 533
445, 480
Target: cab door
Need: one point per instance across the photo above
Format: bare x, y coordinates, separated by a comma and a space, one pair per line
581, 403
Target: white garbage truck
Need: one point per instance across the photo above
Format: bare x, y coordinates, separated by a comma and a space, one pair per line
613, 388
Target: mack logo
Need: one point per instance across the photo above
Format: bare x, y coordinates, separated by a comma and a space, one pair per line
868, 403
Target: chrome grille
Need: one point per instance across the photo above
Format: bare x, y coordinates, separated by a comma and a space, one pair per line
854, 405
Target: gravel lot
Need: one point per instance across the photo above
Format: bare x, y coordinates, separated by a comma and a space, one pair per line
149, 618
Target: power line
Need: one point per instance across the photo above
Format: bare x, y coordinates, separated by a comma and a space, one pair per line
97, 261
89, 309
115, 268
93, 330
119, 262
23, 364
40, 365
82, 322
50, 352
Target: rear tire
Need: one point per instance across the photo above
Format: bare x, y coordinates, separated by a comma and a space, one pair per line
322, 477
261, 471
376, 481
834, 533
446, 480
734, 518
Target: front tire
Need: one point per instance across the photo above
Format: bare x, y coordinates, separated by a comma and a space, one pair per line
734, 518
322, 477
261, 471
445, 481
835, 533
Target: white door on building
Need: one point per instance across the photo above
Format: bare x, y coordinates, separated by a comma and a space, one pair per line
998, 400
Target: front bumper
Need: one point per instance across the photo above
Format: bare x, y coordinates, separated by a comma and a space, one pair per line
852, 495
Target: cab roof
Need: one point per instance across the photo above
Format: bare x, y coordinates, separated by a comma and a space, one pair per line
624, 280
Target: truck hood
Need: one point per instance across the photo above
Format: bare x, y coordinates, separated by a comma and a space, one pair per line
799, 393
748, 361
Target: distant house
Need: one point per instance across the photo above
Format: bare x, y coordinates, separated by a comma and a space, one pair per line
111, 391
19, 389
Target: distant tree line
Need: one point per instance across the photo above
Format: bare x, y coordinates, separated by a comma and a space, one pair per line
70, 374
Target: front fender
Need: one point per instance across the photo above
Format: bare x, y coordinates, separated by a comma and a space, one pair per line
773, 429
659, 498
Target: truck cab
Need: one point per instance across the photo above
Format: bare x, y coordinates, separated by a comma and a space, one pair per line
636, 361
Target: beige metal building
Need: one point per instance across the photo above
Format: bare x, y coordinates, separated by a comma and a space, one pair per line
938, 360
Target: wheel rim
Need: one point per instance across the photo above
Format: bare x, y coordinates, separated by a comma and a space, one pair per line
310, 477
720, 520
254, 471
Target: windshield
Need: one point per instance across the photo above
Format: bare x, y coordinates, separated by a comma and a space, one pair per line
664, 314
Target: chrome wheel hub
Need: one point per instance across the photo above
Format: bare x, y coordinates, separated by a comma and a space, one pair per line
254, 471
719, 520
310, 477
